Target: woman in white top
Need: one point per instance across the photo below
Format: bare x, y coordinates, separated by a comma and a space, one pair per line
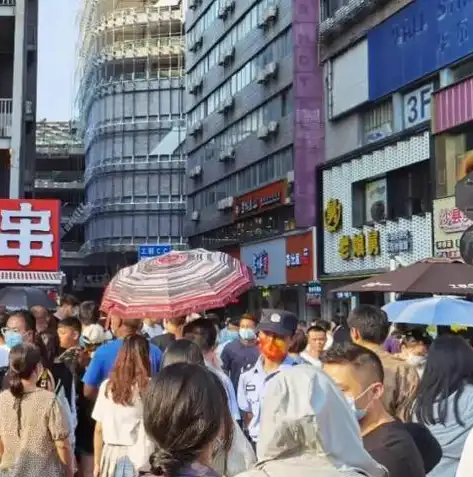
121, 446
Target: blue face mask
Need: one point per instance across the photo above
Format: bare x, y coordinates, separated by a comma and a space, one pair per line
247, 334
227, 335
13, 338
358, 413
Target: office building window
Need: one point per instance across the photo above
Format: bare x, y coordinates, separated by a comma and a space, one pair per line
247, 24
280, 47
329, 7
401, 193
268, 170
272, 110
378, 122
451, 150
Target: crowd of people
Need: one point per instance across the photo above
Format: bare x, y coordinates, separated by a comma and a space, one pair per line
257, 396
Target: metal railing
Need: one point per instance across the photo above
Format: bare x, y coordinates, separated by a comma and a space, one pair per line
6, 109
7, 3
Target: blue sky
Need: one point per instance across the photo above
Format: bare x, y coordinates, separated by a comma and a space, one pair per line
56, 58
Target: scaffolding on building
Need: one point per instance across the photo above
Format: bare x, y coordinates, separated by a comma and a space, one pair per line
127, 40
130, 57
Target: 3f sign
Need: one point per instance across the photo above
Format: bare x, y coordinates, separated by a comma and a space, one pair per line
417, 106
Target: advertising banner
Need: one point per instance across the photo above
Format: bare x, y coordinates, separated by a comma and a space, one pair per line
417, 41
300, 258
449, 225
30, 235
267, 261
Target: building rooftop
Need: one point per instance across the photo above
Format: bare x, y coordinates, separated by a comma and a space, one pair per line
58, 138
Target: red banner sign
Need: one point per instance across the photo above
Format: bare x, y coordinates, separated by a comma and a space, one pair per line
30, 235
256, 202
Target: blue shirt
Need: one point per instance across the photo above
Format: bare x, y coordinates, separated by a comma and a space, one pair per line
251, 388
231, 396
104, 358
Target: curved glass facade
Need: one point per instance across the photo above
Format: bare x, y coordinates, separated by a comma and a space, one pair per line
130, 98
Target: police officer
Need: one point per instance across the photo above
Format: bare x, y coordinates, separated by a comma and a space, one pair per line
276, 329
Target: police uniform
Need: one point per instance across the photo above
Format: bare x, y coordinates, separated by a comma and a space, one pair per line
252, 383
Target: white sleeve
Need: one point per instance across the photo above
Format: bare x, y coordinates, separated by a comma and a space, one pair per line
466, 461
100, 403
61, 395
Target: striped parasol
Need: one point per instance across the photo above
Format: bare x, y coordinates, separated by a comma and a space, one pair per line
176, 284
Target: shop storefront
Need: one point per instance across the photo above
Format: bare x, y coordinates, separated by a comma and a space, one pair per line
449, 225
452, 125
283, 269
372, 215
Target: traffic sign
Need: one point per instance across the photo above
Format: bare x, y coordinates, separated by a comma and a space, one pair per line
149, 251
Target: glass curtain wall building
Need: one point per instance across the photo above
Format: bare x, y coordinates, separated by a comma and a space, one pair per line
130, 98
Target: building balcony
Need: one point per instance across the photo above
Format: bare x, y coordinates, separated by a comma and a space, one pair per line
337, 20
6, 109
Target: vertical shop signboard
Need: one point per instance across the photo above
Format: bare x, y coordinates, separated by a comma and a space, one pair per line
300, 258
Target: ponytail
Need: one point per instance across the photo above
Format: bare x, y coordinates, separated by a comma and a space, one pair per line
167, 464
17, 390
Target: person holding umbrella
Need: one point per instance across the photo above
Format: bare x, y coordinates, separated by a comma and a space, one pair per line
104, 357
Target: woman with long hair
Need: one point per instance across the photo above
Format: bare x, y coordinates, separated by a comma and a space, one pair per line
120, 443
240, 455
34, 429
444, 401
187, 417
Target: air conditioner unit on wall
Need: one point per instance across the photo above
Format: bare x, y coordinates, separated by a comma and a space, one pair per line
225, 204
195, 172
226, 105
195, 216
222, 13
263, 132
227, 154
273, 127
270, 15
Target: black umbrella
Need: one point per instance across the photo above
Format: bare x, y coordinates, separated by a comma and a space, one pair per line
23, 298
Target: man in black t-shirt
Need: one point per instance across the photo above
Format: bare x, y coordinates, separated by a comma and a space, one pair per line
359, 373
173, 330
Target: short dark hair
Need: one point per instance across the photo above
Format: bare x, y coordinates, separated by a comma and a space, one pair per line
355, 355
202, 332
181, 351
371, 322
71, 322
321, 325
298, 342
69, 300
317, 328
28, 318
89, 313
249, 316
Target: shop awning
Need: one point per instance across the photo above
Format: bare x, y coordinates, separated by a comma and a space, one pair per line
31, 278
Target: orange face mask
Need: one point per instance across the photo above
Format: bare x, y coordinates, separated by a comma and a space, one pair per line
275, 349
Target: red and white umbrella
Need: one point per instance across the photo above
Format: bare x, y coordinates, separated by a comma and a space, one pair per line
176, 284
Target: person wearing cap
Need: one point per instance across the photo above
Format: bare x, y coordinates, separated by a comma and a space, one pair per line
276, 329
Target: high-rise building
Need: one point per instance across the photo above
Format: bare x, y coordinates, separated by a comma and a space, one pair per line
255, 136
18, 71
131, 76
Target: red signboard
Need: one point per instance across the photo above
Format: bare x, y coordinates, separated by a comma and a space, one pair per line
256, 202
30, 235
300, 258
453, 106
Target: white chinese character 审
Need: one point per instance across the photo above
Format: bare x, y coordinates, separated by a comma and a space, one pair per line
22, 232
